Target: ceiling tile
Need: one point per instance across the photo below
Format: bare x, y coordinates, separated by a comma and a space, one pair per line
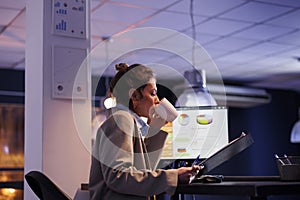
202, 38
239, 74
292, 38
176, 61
230, 43
94, 4
16, 34
238, 57
13, 4
121, 14
225, 66
101, 28
20, 21
288, 20
272, 23
272, 61
168, 62
293, 54
257, 74
7, 15
179, 21
9, 44
291, 3
144, 56
10, 58
245, 74
215, 53
156, 4
263, 32
220, 27
172, 41
206, 7
255, 12
267, 48
229, 71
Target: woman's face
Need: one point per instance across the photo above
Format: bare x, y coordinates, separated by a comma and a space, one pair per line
143, 104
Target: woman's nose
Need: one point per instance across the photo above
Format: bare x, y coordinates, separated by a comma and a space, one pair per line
156, 100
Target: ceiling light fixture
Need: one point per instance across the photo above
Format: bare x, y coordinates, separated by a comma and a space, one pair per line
196, 94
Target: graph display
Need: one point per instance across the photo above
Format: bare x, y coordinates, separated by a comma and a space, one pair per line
196, 130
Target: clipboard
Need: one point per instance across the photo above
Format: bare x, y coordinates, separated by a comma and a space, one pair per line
227, 152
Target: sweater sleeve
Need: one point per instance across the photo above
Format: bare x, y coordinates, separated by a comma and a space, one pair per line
117, 157
155, 144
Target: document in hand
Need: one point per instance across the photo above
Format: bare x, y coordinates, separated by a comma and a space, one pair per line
227, 152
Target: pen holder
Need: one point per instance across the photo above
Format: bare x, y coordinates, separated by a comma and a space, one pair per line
289, 168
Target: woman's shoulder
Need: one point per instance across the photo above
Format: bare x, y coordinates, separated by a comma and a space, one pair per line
123, 116
121, 113
118, 121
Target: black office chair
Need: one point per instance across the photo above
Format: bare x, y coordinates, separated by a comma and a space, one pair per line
44, 188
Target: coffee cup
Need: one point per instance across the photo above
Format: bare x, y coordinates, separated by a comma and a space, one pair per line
166, 110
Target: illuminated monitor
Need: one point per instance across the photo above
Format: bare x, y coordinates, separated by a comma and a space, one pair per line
196, 130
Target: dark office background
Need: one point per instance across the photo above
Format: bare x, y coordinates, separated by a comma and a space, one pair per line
12, 81
269, 124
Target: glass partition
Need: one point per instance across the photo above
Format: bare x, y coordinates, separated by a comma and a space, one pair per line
11, 151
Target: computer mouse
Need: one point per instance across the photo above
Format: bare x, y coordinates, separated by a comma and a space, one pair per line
208, 179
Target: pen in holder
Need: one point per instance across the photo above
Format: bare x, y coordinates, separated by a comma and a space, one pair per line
288, 167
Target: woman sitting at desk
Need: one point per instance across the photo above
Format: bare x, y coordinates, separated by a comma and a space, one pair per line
127, 149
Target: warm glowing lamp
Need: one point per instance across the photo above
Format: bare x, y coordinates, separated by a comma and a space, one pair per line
110, 102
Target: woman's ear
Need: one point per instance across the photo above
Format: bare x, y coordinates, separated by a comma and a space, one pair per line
131, 93
134, 96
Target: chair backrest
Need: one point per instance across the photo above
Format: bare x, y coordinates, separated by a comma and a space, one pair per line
43, 187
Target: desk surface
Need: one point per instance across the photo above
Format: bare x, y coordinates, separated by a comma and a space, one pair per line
253, 187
